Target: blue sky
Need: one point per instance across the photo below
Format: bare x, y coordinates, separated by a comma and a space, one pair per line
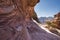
47, 8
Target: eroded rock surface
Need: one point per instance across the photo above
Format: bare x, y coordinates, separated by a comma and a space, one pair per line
17, 23
57, 20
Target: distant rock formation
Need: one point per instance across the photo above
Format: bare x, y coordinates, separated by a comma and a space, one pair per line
16, 22
43, 20
54, 25
57, 20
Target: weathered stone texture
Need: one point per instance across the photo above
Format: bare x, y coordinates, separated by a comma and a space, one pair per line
16, 22
57, 20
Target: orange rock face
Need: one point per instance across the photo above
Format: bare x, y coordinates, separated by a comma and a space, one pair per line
16, 22
57, 20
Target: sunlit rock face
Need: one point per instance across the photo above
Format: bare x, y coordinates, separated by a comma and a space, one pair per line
16, 22
57, 20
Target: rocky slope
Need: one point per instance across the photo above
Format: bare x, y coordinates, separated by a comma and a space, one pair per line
17, 24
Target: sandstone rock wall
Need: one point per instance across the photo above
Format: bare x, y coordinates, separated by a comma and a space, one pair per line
16, 22
57, 20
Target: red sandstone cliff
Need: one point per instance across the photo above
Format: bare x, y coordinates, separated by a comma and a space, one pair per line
16, 22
